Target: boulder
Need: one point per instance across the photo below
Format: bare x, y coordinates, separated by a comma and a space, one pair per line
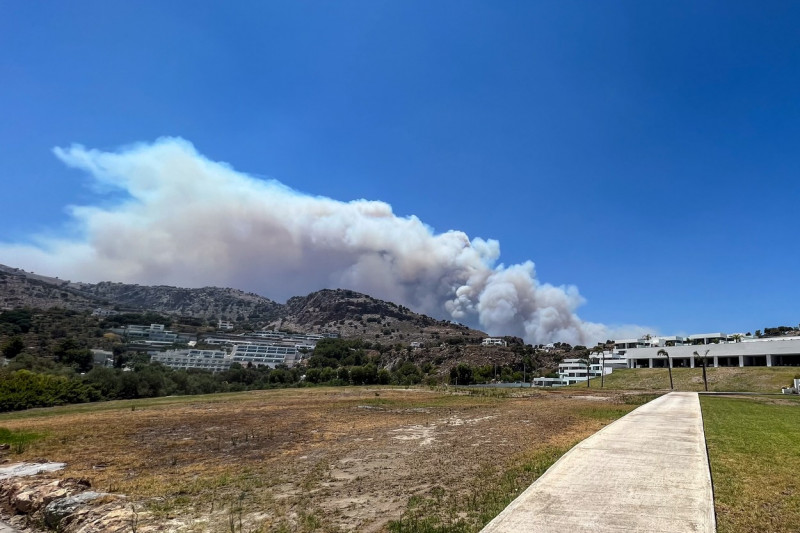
58, 509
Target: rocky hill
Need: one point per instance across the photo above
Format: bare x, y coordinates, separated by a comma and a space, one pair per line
349, 313
352, 314
25, 289
205, 302
395, 330
19, 288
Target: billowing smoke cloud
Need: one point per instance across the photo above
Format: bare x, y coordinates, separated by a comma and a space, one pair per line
189, 221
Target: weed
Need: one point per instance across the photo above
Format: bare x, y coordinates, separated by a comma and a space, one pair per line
134, 521
638, 399
18, 441
491, 493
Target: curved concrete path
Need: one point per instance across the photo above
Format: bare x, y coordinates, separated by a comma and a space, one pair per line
646, 472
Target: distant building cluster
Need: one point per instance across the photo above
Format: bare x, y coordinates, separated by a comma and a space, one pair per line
719, 350
262, 348
153, 335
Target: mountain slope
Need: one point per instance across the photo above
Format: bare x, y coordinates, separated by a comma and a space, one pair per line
19, 288
353, 314
205, 302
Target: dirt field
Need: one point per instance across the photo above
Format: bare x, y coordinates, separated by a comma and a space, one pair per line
326, 459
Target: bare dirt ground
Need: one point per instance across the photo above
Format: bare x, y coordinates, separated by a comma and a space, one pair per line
324, 459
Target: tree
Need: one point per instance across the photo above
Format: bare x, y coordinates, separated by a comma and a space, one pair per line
601, 349
461, 375
383, 376
669, 365
357, 375
586, 359
12, 347
703, 360
70, 352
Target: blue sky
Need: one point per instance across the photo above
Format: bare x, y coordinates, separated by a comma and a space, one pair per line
645, 152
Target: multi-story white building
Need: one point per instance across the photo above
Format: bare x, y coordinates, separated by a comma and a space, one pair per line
281, 336
213, 360
269, 348
574, 371
266, 355
723, 350
154, 334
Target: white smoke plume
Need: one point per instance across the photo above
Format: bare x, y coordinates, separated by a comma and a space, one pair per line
191, 222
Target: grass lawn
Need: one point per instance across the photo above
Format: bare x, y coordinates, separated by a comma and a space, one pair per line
754, 448
726, 379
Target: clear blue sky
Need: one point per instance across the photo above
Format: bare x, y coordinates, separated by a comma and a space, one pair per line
646, 152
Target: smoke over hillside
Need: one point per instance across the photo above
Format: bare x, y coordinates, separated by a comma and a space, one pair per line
189, 221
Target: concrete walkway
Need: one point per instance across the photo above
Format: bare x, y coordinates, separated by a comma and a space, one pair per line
646, 472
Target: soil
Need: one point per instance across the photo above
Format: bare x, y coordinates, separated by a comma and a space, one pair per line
304, 459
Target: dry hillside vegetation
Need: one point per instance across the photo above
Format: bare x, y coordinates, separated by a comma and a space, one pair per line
352, 459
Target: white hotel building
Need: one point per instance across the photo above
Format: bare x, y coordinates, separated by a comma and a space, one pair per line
723, 350
263, 348
735, 350
213, 360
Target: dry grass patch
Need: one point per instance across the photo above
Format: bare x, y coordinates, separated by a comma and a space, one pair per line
326, 459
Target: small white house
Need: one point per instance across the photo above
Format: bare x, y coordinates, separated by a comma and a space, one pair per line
493, 341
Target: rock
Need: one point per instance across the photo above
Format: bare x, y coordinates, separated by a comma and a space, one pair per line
57, 510
23, 501
28, 469
54, 495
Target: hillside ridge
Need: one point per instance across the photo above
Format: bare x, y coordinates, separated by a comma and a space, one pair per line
347, 312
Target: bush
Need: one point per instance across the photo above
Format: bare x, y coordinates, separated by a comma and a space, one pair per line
24, 389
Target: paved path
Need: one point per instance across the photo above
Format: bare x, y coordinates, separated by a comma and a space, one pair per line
646, 472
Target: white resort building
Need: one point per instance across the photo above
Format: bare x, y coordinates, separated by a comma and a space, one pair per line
153, 335
213, 360
268, 355
261, 348
719, 350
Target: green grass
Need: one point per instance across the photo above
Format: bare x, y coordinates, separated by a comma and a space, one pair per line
728, 379
17, 441
754, 449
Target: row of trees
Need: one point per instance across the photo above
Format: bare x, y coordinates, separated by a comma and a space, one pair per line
35, 382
